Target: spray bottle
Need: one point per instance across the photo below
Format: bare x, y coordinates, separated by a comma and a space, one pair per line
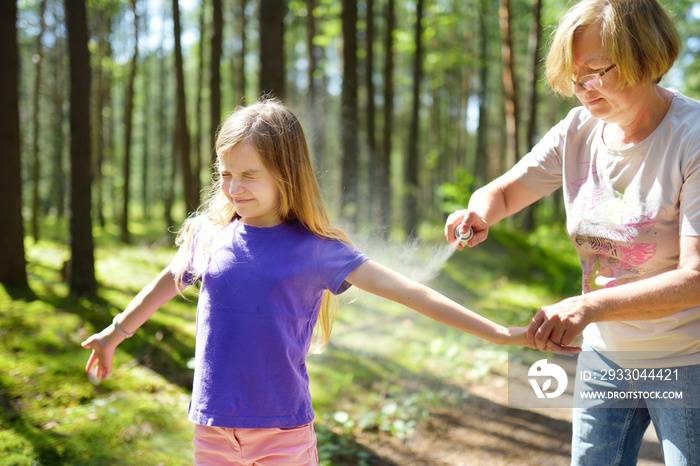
463, 238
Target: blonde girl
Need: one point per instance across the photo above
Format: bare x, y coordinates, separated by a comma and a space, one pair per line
269, 261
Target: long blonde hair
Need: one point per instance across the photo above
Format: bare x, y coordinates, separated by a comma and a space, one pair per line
277, 135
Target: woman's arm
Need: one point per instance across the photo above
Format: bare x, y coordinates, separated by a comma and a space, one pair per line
497, 200
382, 281
161, 290
652, 298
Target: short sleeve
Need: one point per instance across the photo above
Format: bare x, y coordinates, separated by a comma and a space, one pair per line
559, 153
541, 169
690, 195
337, 260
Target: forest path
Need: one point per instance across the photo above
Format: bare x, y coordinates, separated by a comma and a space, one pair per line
483, 430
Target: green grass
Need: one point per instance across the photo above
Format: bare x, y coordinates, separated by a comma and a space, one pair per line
385, 368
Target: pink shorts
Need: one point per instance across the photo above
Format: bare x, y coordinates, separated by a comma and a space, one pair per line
290, 446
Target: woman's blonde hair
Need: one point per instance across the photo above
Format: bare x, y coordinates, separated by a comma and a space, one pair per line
277, 135
639, 35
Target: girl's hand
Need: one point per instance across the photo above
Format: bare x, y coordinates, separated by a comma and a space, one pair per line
516, 336
103, 345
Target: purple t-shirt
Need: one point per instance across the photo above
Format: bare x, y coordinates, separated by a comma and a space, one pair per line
259, 300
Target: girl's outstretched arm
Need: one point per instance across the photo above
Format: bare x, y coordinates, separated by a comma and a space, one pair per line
161, 290
382, 281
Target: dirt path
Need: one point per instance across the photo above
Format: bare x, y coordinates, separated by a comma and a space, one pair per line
485, 431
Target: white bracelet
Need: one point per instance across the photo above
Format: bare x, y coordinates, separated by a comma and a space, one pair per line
120, 329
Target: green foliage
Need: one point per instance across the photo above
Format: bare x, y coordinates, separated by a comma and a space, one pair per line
455, 195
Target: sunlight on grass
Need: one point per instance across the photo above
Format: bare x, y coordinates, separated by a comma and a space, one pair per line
49, 412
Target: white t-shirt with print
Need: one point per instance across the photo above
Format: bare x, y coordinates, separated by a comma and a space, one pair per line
625, 211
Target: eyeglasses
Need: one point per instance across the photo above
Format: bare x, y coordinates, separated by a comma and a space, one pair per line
593, 81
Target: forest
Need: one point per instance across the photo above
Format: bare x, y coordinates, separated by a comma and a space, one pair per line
408, 106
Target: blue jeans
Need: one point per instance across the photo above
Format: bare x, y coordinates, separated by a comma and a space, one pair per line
611, 432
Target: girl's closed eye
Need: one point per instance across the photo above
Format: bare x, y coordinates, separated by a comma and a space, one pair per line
251, 175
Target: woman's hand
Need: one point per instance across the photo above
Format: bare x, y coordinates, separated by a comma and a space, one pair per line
517, 336
559, 323
465, 219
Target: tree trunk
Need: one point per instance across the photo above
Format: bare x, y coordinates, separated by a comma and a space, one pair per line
128, 125
316, 106
101, 21
510, 88
272, 70
165, 182
146, 158
481, 155
411, 179
12, 262
181, 145
373, 155
348, 112
535, 38
384, 168
534, 53
82, 269
198, 123
35, 121
58, 176
215, 83
239, 76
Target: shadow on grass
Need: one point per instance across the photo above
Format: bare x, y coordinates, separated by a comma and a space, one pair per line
449, 420
165, 349
43, 444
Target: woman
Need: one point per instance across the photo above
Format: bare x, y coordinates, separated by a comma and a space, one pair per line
628, 161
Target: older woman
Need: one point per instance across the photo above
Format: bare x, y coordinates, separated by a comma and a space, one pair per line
628, 161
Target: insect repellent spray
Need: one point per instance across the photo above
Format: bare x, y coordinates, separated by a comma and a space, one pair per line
463, 238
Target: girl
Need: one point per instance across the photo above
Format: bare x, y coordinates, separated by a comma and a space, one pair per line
269, 262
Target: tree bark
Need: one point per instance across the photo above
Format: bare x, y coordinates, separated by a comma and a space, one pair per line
316, 89
197, 131
411, 179
384, 168
509, 85
534, 44
128, 126
12, 261
82, 268
481, 155
101, 101
181, 145
58, 178
239, 78
348, 119
272, 67
373, 155
35, 121
215, 78
165, 182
